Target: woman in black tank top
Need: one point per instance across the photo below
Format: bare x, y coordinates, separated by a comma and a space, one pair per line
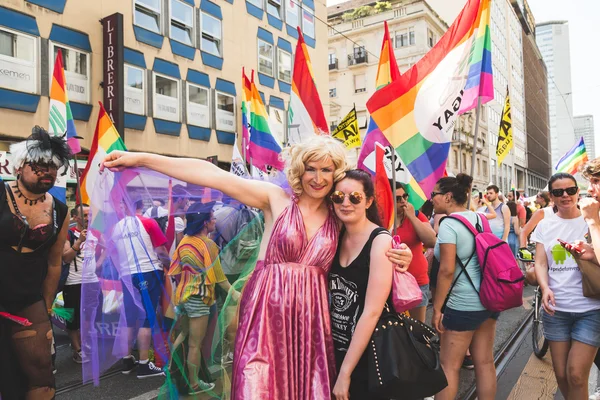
360, 281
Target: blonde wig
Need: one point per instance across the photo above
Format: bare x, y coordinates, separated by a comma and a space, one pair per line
318, 148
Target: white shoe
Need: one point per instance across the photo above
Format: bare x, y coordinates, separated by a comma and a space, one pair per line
428, 398
596, 395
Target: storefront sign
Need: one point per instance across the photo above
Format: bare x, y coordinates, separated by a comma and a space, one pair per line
112, 27
166, 108
17, 76
198, 115
225, 121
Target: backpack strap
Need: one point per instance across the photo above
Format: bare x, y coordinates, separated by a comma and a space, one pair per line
72, 240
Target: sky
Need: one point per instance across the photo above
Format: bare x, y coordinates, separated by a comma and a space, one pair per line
584, 30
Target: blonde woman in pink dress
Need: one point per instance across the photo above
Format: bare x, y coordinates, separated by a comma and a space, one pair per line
283, 347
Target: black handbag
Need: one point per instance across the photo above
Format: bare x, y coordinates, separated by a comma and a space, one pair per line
403, 358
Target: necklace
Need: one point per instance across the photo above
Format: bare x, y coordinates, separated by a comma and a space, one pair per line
27, 200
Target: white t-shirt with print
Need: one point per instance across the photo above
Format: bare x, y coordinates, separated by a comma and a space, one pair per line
563, 272
135, 239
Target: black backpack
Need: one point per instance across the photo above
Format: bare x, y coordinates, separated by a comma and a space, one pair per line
162, 221
65, 269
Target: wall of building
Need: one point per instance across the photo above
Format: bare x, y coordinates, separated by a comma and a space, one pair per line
242, 25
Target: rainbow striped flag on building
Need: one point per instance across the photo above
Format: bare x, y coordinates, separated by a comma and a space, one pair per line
417, 112
573, 159
264, 149
246, 95
106, 139
388, 72
306, 116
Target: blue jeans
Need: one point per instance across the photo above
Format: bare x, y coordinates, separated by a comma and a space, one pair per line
566, 326
513, 242
462, 321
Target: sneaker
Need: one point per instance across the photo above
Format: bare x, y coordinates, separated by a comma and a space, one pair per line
149, 370
201, 387
468, 363
79, 357
596, 395
228, 359
129, 363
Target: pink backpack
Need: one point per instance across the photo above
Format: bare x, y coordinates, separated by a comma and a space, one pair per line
501, 278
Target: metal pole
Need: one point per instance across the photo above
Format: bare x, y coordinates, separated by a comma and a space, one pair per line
459, 145
475, 135
395, 216
78, 194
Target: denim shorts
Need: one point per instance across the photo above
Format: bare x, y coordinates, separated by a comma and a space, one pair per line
193, 307
425, 300
566, 326
148, 286
463, 321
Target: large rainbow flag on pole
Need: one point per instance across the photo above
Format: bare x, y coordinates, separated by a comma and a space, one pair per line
305, 114
417, 112
573, 159
106, 139
246, 95
264, 149
388, 72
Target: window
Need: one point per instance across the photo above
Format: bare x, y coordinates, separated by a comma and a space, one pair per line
198, 105
18, 61
291, 13
225, 112
401, 39
277, 123
411, 36
265, 58
359, 83
478, 166
284, 65
211, 35
182, 22
332, 89
147, 14
166, 98
256, 3
274, 8
308, 22
430, 38
134, 92
77, 71
455, 158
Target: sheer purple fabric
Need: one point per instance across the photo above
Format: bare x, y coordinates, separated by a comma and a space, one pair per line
283, 348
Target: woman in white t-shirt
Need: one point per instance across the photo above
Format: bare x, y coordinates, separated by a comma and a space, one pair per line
571, 321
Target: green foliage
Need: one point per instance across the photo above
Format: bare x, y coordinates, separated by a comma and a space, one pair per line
382, 6
360, 12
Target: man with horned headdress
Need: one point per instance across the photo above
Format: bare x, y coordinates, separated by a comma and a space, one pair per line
33, 230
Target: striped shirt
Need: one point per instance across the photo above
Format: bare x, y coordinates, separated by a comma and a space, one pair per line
197, 260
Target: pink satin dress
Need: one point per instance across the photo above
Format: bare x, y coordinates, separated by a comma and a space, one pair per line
283, 348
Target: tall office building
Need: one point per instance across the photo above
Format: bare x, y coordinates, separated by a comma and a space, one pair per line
584, 126
553, 41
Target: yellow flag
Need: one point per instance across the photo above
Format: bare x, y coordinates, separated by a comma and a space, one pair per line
505, 136
347, 131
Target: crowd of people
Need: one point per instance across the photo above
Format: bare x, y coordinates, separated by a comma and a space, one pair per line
300, 322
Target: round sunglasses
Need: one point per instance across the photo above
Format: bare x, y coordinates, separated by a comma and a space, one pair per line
559, 192
338, 197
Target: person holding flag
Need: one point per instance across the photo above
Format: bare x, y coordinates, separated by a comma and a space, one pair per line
33, 231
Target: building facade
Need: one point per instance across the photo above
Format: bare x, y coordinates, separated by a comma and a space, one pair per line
168, 71
553, 41
584, 127
537, 123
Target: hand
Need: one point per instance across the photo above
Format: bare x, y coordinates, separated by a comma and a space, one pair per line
581, 250
590, 209
409, 211
119, 160
235, 295
82, 236
548, 301
341, 390
401, 257
436, 321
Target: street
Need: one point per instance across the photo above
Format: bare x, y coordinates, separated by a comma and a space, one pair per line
520, 374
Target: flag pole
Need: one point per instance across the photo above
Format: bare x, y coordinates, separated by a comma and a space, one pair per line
475, 135
395, 215
78, 183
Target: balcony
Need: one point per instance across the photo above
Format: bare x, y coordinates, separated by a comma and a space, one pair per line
359, 57
333, 64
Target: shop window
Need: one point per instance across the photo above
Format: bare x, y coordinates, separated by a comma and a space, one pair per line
265, 58
274, 8
135, 90
18, 61
277, 123
77, 71
225, 112
166, 98
212, 34
291, 13
147, 14
198, 105
284, 65
257, 3
182, 22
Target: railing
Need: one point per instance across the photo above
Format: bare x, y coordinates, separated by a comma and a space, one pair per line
359, 57
333, 64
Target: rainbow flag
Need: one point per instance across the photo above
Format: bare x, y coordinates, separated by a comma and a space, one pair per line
106, 139
417, 112
264, 149
385, 199
388, 72
246, 95
306, 116
573, 159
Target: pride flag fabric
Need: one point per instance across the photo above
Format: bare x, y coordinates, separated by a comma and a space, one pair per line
246, 95
386, 200
264, 149
306, 116
417, 112
573, 159
388, 72
106, 139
